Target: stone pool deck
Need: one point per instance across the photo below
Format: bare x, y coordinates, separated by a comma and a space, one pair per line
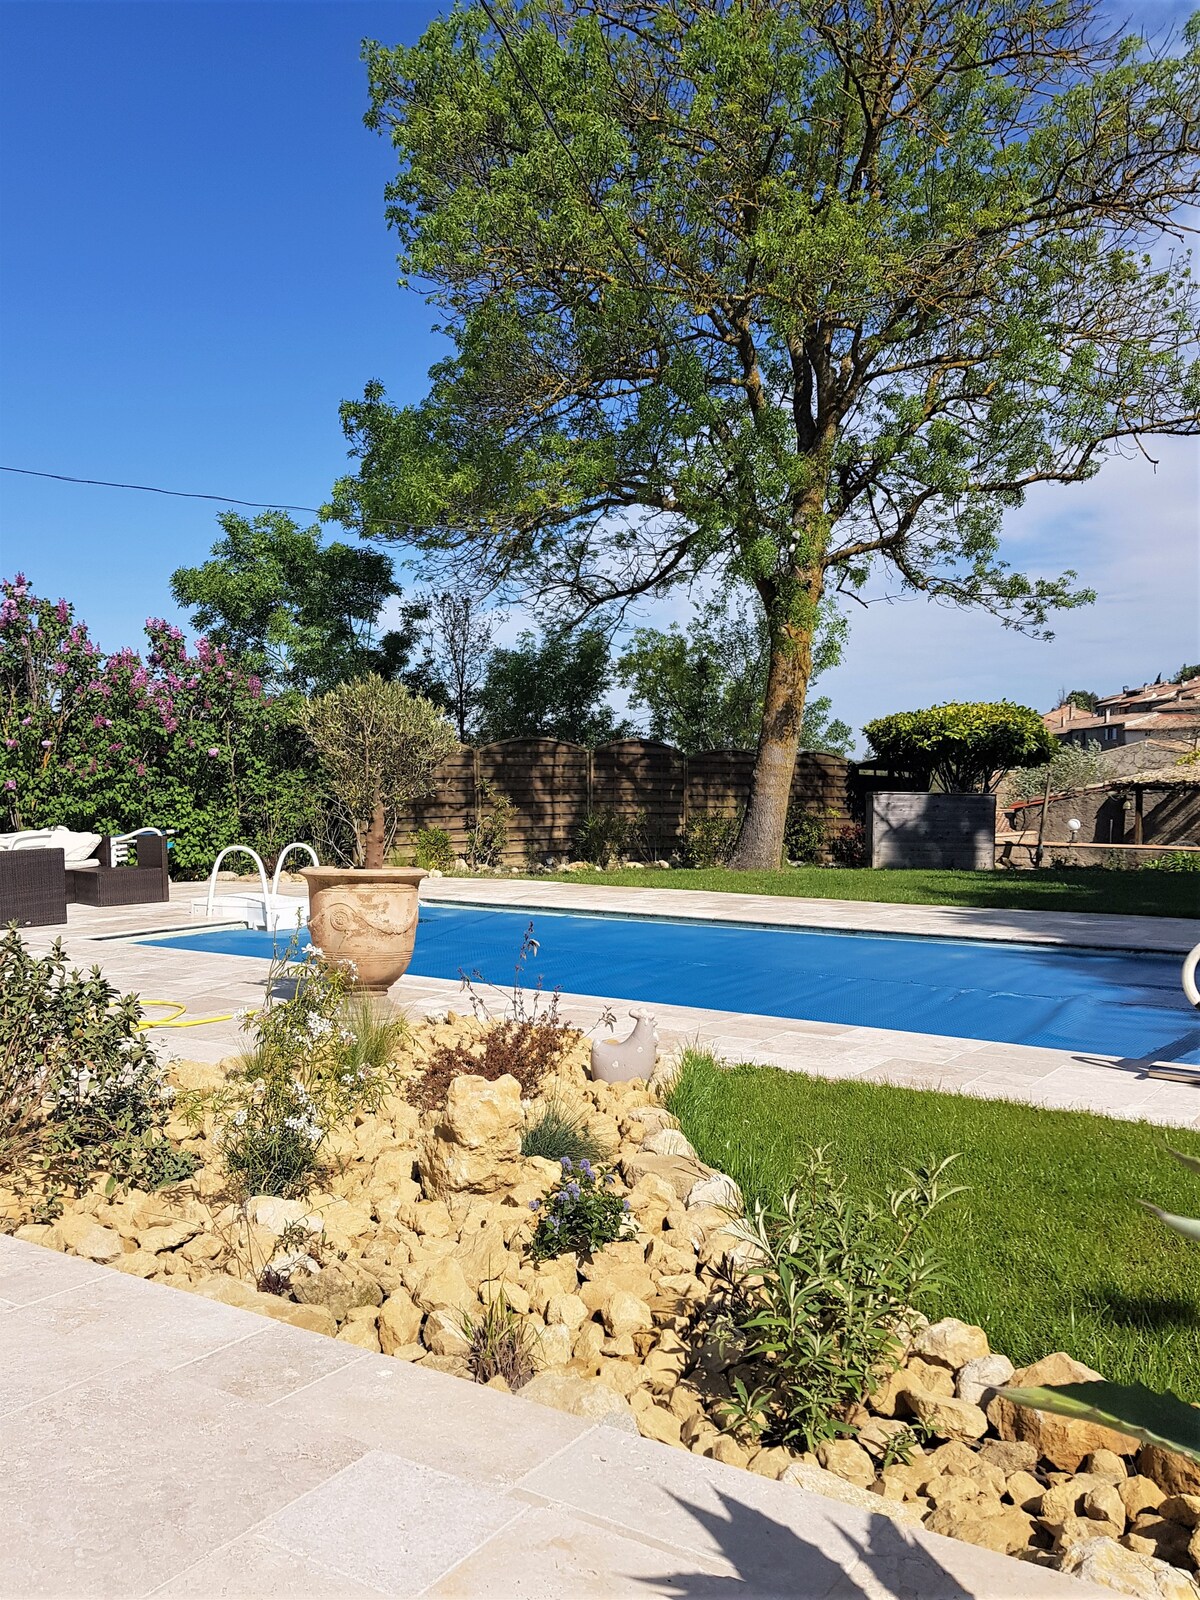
154, 1442
1112, 1085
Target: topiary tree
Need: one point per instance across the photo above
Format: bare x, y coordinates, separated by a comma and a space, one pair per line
962, 747
378, 745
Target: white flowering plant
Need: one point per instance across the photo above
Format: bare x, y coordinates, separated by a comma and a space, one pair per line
321, 1053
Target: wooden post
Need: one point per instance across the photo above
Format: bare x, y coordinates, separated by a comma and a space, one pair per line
1137, 813
1037, 855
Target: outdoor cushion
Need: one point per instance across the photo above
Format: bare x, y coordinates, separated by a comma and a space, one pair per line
76, 847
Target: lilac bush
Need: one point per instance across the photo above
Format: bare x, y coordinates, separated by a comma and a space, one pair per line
168, 739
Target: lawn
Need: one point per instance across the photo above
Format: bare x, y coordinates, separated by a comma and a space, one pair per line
1144, 894
1048, 1250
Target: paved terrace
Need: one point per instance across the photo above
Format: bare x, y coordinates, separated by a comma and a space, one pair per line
157, 1443
210, 984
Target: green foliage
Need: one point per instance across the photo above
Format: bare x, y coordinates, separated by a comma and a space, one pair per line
1081, 699
81, 1088
607, 835
682, 325
1071, 766
378, 745
848, 845
806, 834
550, 689
302, 613
1173, 861
178, 740
560, 1128
1187, 672
703, 689
1074, 1267
500, 1344
708, 839
487, 839
319, 1056
961, 747
580, 1213
836, 1278
433, 850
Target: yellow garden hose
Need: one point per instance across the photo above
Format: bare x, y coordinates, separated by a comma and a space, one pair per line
179, 1009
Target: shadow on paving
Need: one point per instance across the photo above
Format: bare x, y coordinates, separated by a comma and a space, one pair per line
773, 1562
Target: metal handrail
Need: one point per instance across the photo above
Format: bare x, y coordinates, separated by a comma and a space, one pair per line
296, 844
258, 862
1188, 975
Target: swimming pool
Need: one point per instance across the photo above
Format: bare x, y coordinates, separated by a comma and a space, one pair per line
1113, 1002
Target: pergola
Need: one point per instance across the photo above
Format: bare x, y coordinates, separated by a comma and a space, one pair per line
1156, 778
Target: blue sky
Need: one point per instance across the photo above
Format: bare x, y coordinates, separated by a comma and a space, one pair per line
194, 271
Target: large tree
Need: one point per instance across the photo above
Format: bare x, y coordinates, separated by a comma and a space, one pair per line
303, 613
703, 689
786, 291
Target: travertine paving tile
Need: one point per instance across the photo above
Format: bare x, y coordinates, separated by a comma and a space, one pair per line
115, 1485
272, 1364
395, 1525
257, 1566
466, 1431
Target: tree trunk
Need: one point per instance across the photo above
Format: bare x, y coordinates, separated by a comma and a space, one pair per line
376, 838
760, 843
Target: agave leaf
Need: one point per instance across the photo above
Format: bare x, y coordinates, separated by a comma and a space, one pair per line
1188, 1226
1188, 1161
1130, 1408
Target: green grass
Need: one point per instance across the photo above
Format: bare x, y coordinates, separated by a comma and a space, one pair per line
1144, 894
1048, 1250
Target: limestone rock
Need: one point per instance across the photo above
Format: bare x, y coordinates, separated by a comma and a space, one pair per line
952, 1419
444, 1334
669, 1142
1183, 1508
928, 1375
1005, 1529
1174, 1474
1010, 1455
443, 1287
273, 1212
364, 1335
167, 1236
1138, 1494
679, 1173
717, 1189
625, 1313
951, 1342
1152, 1535
399, 1322
341, 1285
978, 1377
567, 1309
554, 1346
581, 1397
847, 1460
1103, 1561
656, 1422
1062, 1441
808, 1475
87, 1238
1106, 1464
474, 1143
1024, 1490
232, 1292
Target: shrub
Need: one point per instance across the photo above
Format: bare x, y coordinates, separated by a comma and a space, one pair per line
1070, 766
581, 1213
559, 1129
488, 839
530, 1042
320, 1055
709, 839
500, 1344
434, 850
377, 744
168, 740
962, 747
804, 834
833, 1285
848, 845
1174, 861
607, 835
81, 1087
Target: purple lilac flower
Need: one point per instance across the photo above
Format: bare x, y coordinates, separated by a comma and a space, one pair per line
58, 669
213, 750
46, 743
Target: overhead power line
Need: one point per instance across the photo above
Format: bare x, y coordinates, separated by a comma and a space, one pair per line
148, 488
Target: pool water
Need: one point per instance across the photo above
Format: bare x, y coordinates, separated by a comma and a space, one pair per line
1113, 1002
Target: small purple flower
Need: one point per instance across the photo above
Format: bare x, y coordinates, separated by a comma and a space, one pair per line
535, 1205
585, 1166
10, 744
10, 783
213, 750
46, 743
566, 1163
58, 669
625, 1206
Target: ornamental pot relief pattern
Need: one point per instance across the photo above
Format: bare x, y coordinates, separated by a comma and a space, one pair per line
367, 916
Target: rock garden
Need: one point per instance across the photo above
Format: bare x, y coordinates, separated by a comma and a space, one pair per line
460, 1193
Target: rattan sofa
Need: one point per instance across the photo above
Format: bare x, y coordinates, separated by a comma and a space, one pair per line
33, 888
108, 884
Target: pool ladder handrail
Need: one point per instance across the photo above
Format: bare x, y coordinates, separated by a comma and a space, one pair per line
296, 844
230, 849
1190, 962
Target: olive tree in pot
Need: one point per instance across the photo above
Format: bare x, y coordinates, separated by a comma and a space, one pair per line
378, 745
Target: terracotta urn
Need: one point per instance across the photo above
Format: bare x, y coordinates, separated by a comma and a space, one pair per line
365, 915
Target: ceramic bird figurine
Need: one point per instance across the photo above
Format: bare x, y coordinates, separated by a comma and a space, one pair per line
618, 1060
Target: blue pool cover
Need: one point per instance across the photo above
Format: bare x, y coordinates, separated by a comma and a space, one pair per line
1112, 1002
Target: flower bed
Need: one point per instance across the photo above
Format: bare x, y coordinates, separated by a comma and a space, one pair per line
604, 1286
